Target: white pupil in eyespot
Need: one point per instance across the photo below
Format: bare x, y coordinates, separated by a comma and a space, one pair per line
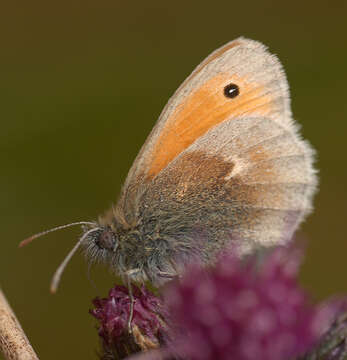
231, 91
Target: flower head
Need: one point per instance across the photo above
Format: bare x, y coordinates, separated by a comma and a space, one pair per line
243, 310
147, 325
251, 309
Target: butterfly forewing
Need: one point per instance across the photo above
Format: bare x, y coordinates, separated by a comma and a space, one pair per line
219, 165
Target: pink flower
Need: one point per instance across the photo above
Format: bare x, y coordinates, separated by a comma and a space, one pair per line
243, 310
147, 325
250, 309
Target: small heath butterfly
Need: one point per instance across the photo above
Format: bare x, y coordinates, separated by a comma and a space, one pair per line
224, 165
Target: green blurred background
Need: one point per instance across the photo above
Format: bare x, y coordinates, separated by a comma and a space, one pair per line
82, 83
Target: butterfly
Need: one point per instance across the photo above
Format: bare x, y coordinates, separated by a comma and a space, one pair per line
223, 167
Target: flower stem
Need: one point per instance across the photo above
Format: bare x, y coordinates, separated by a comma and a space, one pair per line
14, 344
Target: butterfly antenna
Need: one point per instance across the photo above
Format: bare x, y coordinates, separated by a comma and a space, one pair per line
31, 238
57, 275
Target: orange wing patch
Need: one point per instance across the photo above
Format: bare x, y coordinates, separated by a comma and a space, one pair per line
203, 109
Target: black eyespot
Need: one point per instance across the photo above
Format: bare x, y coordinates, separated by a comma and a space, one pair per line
231, 91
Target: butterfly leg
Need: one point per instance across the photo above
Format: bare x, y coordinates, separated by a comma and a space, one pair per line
128, 275
167, 275
131, 313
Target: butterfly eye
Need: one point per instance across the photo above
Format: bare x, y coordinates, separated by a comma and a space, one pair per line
231, 91
105, 240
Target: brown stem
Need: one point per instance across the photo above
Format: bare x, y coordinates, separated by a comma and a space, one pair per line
14, 344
